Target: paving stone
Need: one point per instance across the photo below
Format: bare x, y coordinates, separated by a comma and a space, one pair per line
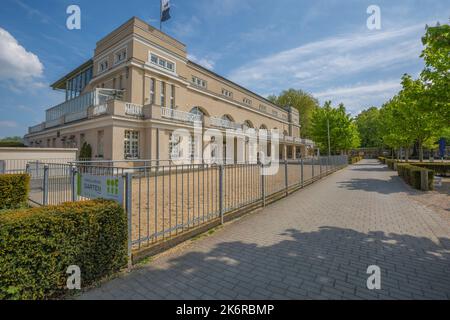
315, 244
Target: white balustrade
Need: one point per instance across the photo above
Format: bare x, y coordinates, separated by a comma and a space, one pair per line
135, 110
180, 115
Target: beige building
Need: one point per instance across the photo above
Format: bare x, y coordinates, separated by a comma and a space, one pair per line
139, 87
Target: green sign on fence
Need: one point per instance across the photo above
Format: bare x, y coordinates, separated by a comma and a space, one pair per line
105, 187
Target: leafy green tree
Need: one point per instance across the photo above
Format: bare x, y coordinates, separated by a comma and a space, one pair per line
85, 152
343, 131
436, 75
368, 123
304, 102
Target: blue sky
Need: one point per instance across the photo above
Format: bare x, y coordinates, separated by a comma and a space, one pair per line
321, 46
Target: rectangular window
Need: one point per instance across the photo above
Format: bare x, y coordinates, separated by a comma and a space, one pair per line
247, 101
120, 83
227, 93
199, 82
120, 56
100, 138
172, 96
103, 66
114, 83
163, 94
161, 62
174, 149
131, 144
152, 90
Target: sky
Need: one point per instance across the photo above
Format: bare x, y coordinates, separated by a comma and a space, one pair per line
323, 47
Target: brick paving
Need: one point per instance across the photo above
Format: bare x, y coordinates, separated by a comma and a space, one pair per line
315, 244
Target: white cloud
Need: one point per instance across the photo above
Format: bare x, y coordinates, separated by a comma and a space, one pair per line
359, 96
205, 62
312, 64
17, 63
8, 124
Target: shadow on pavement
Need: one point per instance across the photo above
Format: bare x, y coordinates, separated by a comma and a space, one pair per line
330, 263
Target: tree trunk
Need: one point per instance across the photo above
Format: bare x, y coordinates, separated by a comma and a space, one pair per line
420, 151
407, 154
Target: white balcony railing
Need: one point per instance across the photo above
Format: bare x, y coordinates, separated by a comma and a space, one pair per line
36, 128
180, 115
53, 123
134, 110
75, 116
224, 123
100, 109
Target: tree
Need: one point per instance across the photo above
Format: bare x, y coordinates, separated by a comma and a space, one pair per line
436, 75
343, 132
368, 123
304, 102
85, 152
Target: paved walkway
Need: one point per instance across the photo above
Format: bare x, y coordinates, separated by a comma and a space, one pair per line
316, 244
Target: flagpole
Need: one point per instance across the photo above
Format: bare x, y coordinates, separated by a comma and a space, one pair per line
160, 15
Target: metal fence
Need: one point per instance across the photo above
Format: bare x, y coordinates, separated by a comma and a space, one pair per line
165, 200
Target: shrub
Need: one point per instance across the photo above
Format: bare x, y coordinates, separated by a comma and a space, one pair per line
38, 245
353, 160
438, 167
412, 175
86, 152
14, 190
390, 163
382, 159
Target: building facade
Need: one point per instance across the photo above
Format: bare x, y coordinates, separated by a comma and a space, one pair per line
139, 87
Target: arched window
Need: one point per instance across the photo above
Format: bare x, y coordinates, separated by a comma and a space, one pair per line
263, 127
248, 124
227, 117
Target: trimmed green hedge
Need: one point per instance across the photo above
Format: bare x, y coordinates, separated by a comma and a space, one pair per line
411, 175
390, 163
14, 190
38, 245
442, 168
353, 160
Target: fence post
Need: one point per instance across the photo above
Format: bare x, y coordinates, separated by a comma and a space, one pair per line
286, 184
2, 166
221, 172
45, 186
27, 168
263, 186
312, 167
301, 169
73, 178
129, 206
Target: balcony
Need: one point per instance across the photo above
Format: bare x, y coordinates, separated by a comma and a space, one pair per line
134, 110
224, 123
180, 115
77, 108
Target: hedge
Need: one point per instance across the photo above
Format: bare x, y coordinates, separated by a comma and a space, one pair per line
382, 159
411, 174
38, 245
438, 167
390, 163
353, 160
14, 190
